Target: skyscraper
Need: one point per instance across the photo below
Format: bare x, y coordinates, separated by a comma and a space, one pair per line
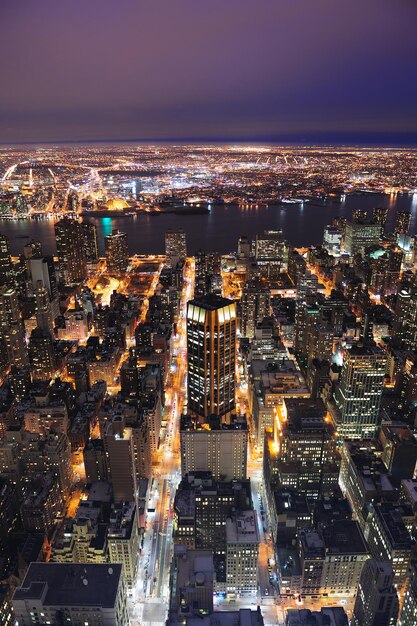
70, 249
359, 390
379, 215
402, 223
405, 322
409, 608
117, 253
376, 600
255, 305
90, 241
6, 266
175, 246
211, 343
42, 356
43, 311
9, 307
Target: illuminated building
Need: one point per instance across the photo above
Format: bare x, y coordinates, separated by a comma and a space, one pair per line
402, 224
70, 250
380, 215
364, 478
9, 307
332, 559
376, 602
211, 344
358, 393
192, 574
254, 306
43, 270
56, 450
242, 547
405, 323
217, 448
123, 539
75, 592
43, 310
409, 607
15, 340
270, 382
332, 240
207, 273
42, 354
46, 416
359, 216
6, 265
202, 506
117, 253
175, 247
271, 252
361, 235
42, 503
89, 232
389, 539
307, 459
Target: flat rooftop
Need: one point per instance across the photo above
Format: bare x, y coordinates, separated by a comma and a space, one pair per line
70, 584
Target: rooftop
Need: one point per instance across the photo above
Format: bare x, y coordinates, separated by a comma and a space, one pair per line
64, 584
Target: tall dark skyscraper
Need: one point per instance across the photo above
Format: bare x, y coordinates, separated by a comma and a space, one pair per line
402, 224
211, 342
6, 266
90, 241
70, 249
117, 253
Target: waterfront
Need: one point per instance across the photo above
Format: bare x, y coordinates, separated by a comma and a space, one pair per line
218, 230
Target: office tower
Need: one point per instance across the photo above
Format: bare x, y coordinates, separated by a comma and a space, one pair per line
242, 547
399, 451
214, 447
119, 452
6, 265
43, 269
307, 458
389, 539
72, 593
332, 558
409, 607
192, 575
43, 502
405, 321
359, 236
402, 223
271, 252
117, 253
201, 507
364, 478
43, 310
42, 354
129, 376
359, 216
207, 273
89, 232
332, 240
376, 601
254, 306
143, 337
359, 391
211, 344
380, 215
70, 250
15, 340
94, 455
175, 247
296, 265
123, 539
313, 333
9, 307
57, 454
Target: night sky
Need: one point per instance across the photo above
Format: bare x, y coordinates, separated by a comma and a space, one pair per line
266, 70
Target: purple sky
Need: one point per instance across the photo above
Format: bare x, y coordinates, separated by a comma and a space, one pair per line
193, 69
